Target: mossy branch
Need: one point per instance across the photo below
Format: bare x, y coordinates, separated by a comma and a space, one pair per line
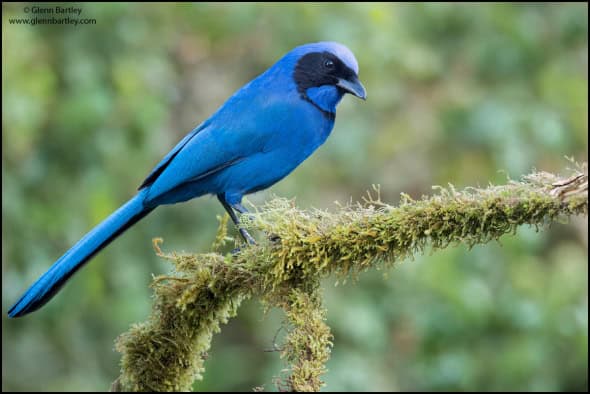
308, 343
166, 352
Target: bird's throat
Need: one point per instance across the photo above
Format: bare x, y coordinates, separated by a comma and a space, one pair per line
324, 98
327, 114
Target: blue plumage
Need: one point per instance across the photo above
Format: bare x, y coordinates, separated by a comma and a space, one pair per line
256, 138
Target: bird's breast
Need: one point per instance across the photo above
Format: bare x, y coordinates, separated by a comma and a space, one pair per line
300, 128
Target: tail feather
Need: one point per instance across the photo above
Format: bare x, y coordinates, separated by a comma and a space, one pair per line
51, 281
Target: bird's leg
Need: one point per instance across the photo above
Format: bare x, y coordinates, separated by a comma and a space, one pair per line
240, 208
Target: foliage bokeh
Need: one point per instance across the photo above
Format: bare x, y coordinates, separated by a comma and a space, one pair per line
457, 93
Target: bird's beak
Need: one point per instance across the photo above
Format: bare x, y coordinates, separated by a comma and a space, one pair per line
353, 86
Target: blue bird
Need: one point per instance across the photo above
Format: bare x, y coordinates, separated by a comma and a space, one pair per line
255, 139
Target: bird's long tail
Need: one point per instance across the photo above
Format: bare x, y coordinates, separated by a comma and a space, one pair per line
51, 281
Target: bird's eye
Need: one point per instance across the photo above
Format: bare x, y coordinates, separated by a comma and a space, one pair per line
329, 64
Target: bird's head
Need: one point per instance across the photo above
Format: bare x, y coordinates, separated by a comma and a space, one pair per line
323, 72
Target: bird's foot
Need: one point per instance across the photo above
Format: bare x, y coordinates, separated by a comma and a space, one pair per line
247, 237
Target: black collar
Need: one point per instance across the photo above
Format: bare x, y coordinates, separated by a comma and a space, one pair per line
327, 114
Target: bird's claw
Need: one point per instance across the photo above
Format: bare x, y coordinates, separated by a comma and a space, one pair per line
247, 237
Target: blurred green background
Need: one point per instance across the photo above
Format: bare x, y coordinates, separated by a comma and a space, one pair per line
457, 93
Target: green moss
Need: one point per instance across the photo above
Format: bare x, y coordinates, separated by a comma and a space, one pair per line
308, 344
166, 352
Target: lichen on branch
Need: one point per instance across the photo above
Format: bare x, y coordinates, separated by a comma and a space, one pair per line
166, 352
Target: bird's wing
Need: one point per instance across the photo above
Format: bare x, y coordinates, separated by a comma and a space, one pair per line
169, 157
243, 127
